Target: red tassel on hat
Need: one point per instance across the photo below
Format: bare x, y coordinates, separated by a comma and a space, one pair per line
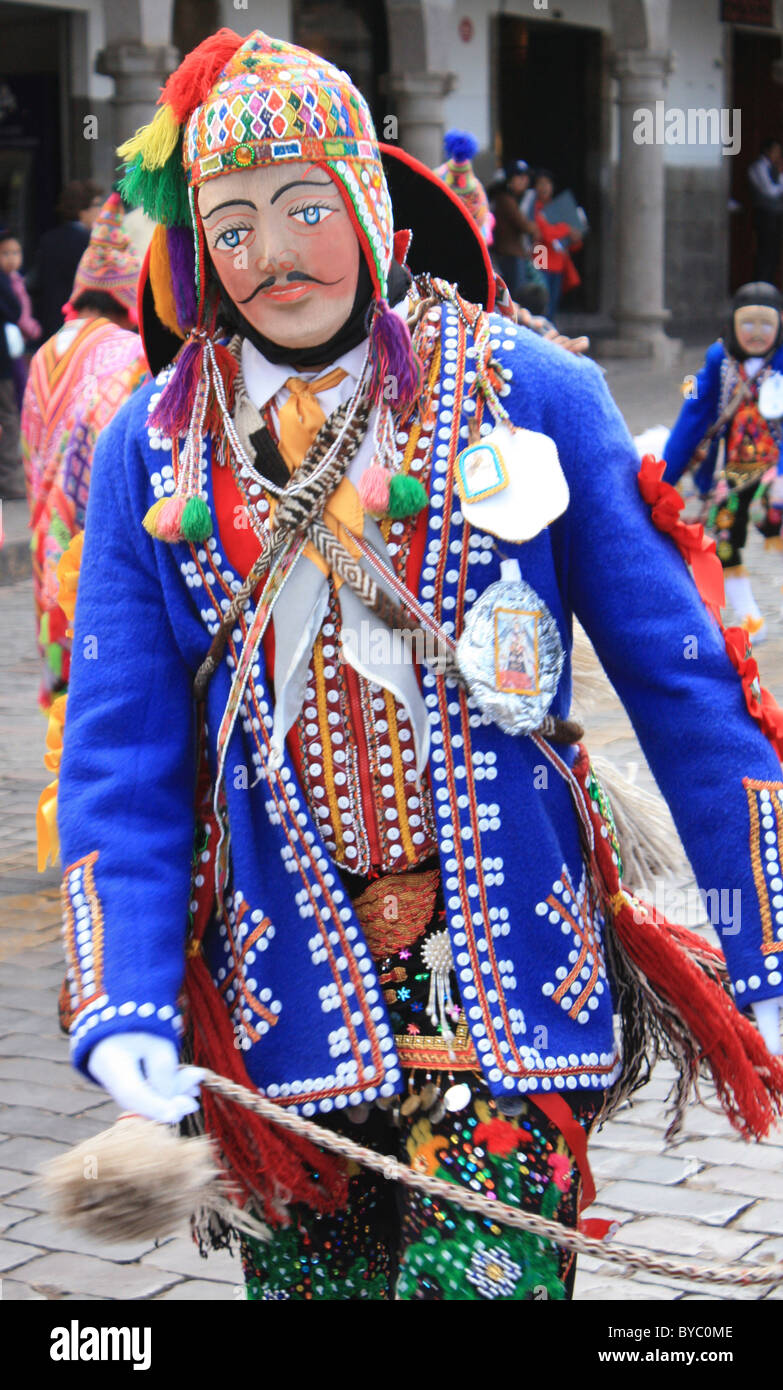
193, 80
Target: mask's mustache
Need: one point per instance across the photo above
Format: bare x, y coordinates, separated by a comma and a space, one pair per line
292, 275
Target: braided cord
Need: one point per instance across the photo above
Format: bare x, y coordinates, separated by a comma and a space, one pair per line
394, 1171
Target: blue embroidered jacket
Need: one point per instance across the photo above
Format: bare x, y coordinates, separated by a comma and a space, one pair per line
698, 413
526, 936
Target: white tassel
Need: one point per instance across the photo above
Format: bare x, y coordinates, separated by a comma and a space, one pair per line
437, 957
590, 683
139, 1181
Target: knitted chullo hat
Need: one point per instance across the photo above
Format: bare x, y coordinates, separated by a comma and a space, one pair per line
460, 146
109, 263
234, 104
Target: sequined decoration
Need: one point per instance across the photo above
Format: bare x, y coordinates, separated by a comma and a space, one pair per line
391, 1244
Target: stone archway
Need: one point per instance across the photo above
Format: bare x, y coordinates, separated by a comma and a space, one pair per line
419, 76
139, 56
641, 64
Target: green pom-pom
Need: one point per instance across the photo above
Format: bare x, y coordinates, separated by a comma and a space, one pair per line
196, 524
407, 496
162, 193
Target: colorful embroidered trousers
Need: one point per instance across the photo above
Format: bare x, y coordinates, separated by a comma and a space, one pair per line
392, 1242
395, 1243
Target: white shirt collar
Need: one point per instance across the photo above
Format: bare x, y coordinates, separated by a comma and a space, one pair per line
264, 379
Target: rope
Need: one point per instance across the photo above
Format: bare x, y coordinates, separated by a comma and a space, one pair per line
499, 1212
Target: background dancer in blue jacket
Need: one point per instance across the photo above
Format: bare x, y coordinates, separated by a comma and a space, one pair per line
729, 430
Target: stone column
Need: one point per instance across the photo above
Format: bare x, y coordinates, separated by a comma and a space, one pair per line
139, 71
418, 100
640, 224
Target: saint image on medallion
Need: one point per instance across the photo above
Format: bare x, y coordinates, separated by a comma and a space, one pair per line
481, 473
516, 651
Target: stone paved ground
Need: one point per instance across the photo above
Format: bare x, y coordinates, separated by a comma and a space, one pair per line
708, 1195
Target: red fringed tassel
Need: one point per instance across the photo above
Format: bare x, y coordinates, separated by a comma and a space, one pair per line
748, 1079
196, 75
271, 1166
228, 367
685, 973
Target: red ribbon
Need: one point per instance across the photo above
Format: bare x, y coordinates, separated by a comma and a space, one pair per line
560, 1113
696, 548
699, 552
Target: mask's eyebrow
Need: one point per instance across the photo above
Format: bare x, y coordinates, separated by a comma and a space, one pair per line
309, 183
231, 203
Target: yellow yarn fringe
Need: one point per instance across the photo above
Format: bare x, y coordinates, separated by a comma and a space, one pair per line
160, 281
155, 142
151, 517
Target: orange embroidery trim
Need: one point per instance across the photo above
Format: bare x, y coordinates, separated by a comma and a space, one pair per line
410, 897
768, 941
82, 1000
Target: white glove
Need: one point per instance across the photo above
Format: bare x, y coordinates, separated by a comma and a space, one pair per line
142, 1073
767, 1016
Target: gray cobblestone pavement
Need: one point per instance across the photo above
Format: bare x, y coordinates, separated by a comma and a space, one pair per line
707, 1195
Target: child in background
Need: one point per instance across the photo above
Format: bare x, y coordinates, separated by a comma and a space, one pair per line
11, 342
28, 325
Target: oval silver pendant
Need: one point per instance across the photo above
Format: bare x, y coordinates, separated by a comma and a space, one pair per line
457, 1097
510, 654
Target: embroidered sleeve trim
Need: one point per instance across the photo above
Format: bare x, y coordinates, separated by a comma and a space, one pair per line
83, 928
765, 808
99, 1010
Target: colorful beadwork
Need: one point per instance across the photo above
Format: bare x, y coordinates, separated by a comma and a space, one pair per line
765, 810
391, 1244
274, 101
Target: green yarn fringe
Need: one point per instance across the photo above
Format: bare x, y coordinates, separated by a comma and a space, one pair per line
162, 193
196, 523
407, 496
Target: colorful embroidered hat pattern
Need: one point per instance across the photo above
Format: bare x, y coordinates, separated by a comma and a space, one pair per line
234, 104
109, 263
274, 101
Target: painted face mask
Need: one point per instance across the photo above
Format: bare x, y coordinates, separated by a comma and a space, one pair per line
756, 328
236, 107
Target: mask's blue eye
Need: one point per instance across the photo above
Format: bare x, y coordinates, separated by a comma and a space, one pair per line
231, 238
312, 214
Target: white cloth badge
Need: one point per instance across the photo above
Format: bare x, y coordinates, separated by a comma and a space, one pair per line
511, 484
771, 397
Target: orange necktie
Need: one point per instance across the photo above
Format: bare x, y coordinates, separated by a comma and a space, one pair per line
299, 420
301, 417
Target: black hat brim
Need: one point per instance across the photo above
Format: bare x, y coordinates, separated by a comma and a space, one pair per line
445, 242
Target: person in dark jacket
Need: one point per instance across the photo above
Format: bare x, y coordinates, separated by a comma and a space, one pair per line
11, 473
61, 249
766, 191
512, 237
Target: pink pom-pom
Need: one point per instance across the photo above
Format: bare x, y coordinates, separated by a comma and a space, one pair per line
374, 489
169, 519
